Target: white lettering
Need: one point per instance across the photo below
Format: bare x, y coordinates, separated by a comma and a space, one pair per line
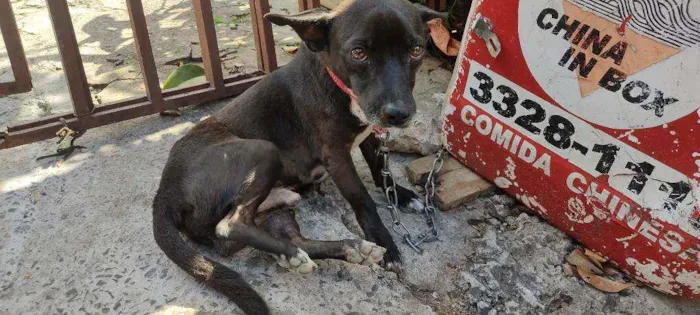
483, 124
466, 110
514, 145
671, 241
571, 181
544, 163
649, 231
601, 195
527, 153
501, 137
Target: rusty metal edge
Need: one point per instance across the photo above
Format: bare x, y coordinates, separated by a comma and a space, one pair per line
47, 128
262, 35
309, 4
130, 101
208, 42
70, 57
142, 42
15, 52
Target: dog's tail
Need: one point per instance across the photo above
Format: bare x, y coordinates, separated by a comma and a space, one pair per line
214, 274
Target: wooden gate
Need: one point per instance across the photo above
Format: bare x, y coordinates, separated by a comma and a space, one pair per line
85, 115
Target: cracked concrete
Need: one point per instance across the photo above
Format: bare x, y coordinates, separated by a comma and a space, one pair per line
75, 237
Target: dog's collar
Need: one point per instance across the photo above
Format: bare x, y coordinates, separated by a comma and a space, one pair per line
341, 85
377, 130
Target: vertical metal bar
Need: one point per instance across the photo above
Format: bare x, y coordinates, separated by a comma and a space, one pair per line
70, 55
308, 4
15, 51
262, 35
207, 42
314, 4
145, 53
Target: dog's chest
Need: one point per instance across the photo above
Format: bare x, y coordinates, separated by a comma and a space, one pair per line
357, 111
362, 136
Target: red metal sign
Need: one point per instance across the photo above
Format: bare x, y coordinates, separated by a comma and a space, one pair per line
588, 112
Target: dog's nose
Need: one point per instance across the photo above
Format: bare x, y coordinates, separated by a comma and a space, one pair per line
395, 115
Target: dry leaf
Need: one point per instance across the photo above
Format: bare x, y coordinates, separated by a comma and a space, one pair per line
611, 272
171, 112
598, 260
442, 39
601, 283
290, 49
578, 259
35, 197
568, 270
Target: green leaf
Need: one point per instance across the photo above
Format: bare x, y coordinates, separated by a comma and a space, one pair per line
218, 21
188, 73
239, 18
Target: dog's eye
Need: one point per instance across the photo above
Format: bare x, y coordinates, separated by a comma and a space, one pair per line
416, 51
359, 54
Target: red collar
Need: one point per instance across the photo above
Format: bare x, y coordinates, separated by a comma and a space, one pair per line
377, 130
341, 84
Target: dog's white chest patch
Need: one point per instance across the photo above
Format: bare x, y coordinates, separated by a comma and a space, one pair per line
362, 136
357, 111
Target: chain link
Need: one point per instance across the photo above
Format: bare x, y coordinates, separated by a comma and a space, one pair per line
428, 210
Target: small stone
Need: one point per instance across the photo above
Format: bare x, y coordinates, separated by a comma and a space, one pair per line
435, 295
493, 284
494, 221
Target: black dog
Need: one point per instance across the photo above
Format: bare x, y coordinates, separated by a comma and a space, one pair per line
232, 180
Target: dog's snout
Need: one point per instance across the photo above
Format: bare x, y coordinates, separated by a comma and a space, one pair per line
395, 114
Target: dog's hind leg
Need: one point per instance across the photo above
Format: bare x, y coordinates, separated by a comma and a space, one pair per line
282, 224
239, 224
278, 197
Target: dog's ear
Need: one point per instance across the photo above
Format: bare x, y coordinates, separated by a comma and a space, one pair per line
312, 26
427, 14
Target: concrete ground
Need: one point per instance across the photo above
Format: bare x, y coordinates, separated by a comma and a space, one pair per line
75, 236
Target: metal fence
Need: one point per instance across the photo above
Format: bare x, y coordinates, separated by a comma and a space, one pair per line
85, 115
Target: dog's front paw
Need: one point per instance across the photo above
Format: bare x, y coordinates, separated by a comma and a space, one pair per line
392, 260
392, 257
364, 253
301, 262
409, 199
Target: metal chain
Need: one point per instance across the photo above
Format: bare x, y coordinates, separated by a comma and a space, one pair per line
428, 210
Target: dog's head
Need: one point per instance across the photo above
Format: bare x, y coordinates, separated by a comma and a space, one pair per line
374, 46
